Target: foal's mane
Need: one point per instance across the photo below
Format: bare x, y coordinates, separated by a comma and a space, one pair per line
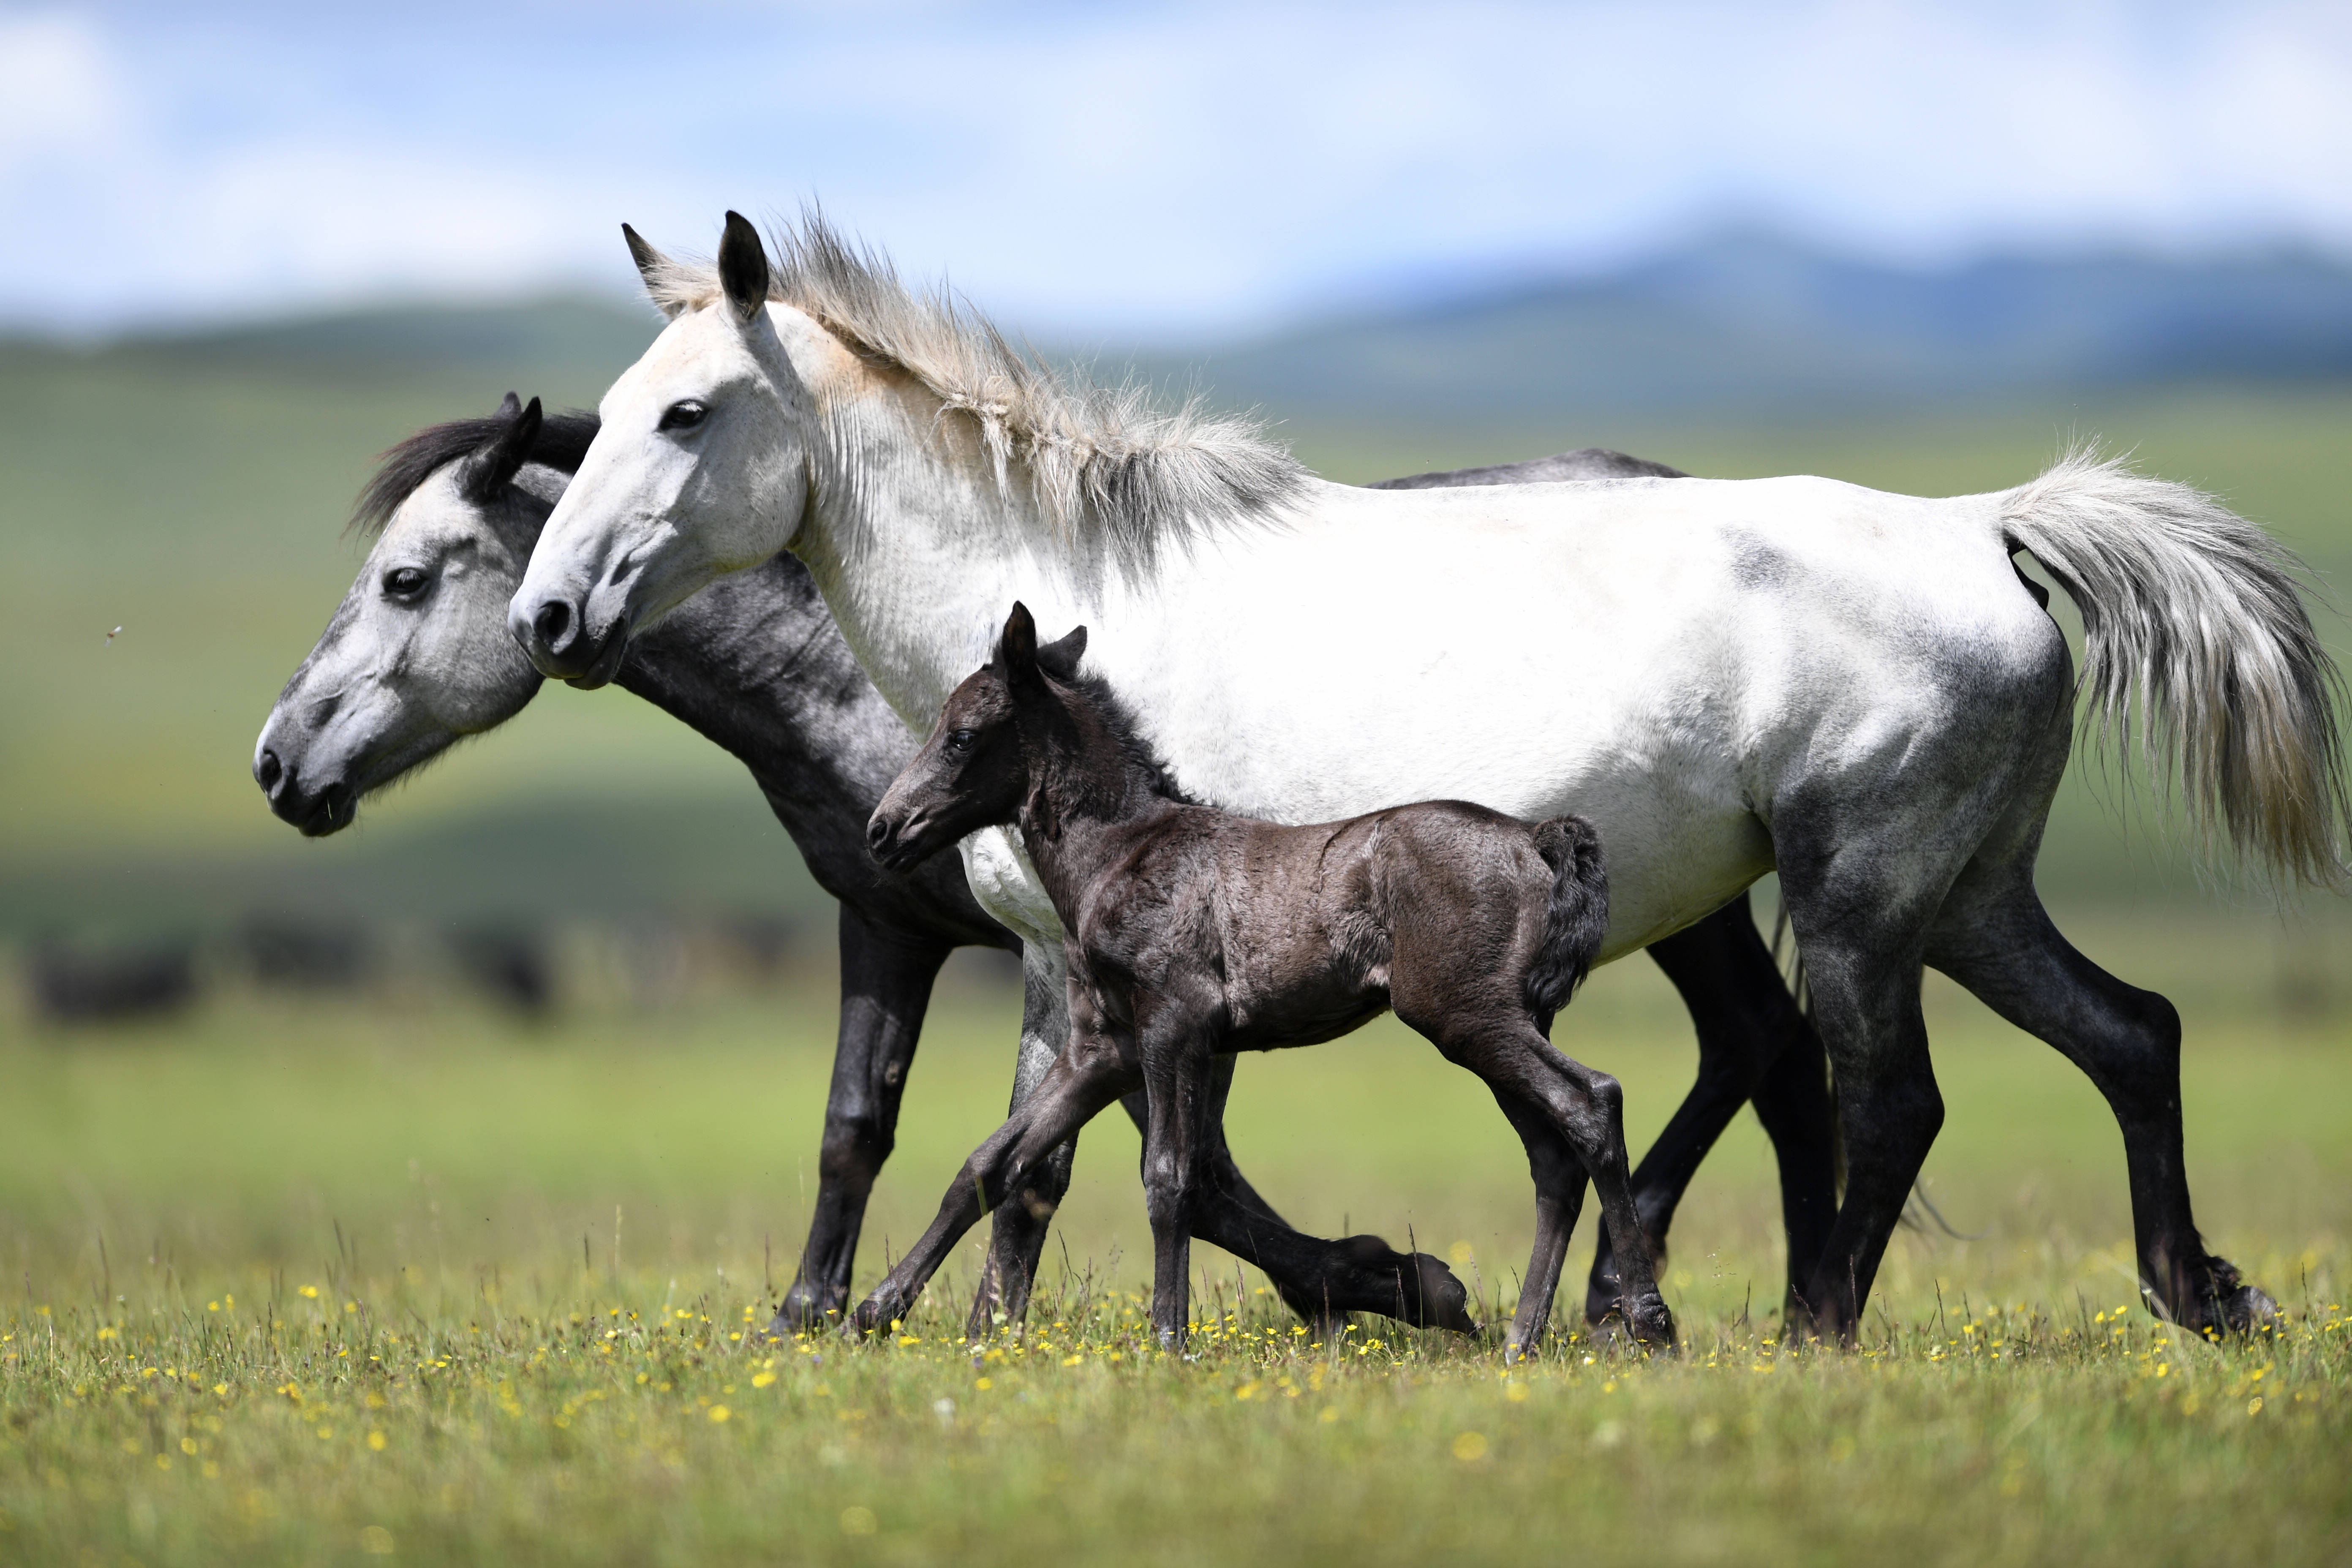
562, 444
1092, 694
1101, 461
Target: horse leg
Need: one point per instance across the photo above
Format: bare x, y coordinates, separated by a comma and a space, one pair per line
1748, 1024
1178, 1082
1017, 1238
1086, 1077
1322, 1281
886, 987
1559, 1177
1864, 979
1996, 939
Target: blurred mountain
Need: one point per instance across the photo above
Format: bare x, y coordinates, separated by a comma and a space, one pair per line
1756, 322
567, 341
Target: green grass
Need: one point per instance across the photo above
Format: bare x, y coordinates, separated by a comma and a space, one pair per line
502, 1225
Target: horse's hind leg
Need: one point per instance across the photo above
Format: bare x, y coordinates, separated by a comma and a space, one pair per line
1322, 1281
1995, 938
1559, 1177
1753, 1043
1018, 1237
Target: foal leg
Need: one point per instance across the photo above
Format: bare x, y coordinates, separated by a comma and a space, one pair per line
1747, 1025
886, 987
1996, 939
1559, 1176
1176, 1081
1088, 1076
1017, 1238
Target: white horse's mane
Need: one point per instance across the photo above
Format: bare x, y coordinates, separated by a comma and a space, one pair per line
1099, 460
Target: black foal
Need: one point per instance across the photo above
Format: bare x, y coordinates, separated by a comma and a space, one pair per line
1194, 934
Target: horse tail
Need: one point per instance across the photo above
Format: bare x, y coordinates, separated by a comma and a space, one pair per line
1577, 918
2202, 611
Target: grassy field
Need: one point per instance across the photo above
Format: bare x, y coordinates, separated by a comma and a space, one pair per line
311, 1283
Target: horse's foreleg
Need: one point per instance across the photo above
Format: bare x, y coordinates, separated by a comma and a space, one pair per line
2002, 945
1017, 1238
1088, 1076
886, 987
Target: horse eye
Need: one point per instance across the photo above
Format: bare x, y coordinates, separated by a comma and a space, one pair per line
962, 740
683, 415
403, 583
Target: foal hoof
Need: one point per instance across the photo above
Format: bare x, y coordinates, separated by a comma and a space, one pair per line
803, 1311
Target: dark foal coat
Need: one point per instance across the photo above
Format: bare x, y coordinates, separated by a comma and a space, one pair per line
1192, 933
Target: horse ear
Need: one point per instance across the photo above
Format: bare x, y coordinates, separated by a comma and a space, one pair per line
743, 267
1016, 650
488, 470
1060, 659
508, 406
654, 268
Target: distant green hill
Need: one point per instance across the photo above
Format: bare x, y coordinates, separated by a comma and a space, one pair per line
192, 490
1748, 324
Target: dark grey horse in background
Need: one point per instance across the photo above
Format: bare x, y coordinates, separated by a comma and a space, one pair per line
417, 657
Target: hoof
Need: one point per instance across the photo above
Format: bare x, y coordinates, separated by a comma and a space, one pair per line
2248, 1308
1645, 1323
803, 1311
1443, 1300
872, 1317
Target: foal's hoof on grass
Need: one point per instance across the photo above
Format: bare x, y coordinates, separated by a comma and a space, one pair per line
872, 1316
803, 1311
1411, 1287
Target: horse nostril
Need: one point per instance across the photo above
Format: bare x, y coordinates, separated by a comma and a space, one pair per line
269, 770
553, 620
878, 834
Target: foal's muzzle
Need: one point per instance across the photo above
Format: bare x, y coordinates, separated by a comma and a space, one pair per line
892, 843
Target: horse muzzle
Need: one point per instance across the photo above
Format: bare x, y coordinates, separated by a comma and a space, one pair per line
554, 633
314, 810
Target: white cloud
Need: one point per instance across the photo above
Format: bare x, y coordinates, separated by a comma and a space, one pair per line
59, 92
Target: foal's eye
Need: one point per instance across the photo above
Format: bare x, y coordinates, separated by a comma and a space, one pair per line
962, 740
403, 583
683, 415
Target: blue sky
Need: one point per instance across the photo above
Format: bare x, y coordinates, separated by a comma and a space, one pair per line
1147, 172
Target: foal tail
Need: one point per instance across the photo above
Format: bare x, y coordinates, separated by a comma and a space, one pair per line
1578, 917
2201, 609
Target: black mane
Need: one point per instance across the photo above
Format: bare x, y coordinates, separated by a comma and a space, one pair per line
562, 443
1095, 693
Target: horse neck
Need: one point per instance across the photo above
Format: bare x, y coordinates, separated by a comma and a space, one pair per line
755, 664
1094, 791
919, 552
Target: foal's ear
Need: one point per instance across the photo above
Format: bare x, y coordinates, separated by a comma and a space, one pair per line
1060, 659
656, 269
743, 267
508, 406
1016, 650
486, 473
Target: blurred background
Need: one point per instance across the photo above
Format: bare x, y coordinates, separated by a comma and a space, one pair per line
249, 247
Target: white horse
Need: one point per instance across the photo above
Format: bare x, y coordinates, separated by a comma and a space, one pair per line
1858, 690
